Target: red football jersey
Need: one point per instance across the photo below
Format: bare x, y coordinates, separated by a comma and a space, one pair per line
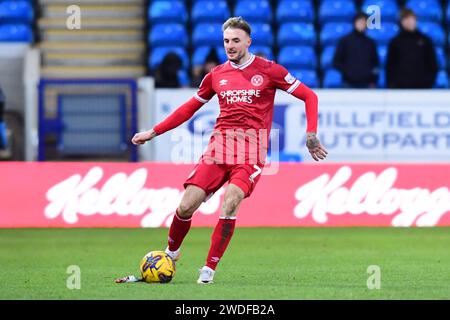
246, 92
246, 96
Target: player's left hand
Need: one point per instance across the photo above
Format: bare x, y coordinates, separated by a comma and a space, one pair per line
316, 150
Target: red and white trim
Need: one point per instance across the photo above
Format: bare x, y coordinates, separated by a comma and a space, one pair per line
294, 86
180, 218
227, 218
245, 64
197, 97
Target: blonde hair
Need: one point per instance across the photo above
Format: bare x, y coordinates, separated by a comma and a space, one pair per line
237, 23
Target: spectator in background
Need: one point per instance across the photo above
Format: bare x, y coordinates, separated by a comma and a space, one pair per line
356, 56
199, 72
167, 73
411, 60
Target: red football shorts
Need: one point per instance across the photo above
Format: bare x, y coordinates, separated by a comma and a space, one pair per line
211, 176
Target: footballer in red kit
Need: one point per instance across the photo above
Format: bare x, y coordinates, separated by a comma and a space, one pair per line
245, 86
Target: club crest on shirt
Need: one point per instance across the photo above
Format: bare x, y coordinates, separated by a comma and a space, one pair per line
257, 80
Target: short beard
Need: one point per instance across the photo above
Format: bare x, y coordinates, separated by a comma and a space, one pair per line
236, 61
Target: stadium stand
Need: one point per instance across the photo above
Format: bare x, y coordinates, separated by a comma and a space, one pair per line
382, 53
434, 30
333, 31
442, 81
300, 33
110, 43
254, 10
426, 10
207, 34
383, 35
332, 79
296, 57
326, 58
159, 53
209, 11
295, 11
191, 28
168, 34
389, 9
293, 33
309, 77
336, 11
167, 11
262, 34
16, 21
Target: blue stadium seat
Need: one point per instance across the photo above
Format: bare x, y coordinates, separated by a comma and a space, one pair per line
297, 57
254, 10
327, 56
336, 11
426, 10
201, 53
16, 33
448, 13
308, 77
262, 34
221, 54
210, 11
385, 34
295, 11
440, 56
183, 78
332, 79
389, 9
333, 31
267, 51
441, 80
207, 34
16, 12
158, 54
171, 34
382, 54
292, 33
434, 31
382, 79
167, 12
3, 135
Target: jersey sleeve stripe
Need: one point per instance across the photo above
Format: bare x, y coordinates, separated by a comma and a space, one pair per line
196, 96
293, 87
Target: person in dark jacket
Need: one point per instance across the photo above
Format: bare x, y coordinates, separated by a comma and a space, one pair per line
356, 56
166, 74
411, 60
199, 72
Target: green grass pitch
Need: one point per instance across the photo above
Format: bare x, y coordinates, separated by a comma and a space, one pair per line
261, 263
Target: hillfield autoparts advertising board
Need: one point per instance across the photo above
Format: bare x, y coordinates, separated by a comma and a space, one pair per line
296, 194
354, 125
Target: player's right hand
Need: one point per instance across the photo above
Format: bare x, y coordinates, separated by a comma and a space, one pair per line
142, 137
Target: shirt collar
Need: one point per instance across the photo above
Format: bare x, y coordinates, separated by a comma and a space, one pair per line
245, 64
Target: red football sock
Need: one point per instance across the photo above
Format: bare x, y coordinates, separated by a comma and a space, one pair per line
219, 241
178, 230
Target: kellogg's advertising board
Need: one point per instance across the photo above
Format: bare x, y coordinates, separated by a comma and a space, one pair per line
147, 194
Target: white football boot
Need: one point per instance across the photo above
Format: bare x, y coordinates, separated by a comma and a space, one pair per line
206, 275
175, 255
